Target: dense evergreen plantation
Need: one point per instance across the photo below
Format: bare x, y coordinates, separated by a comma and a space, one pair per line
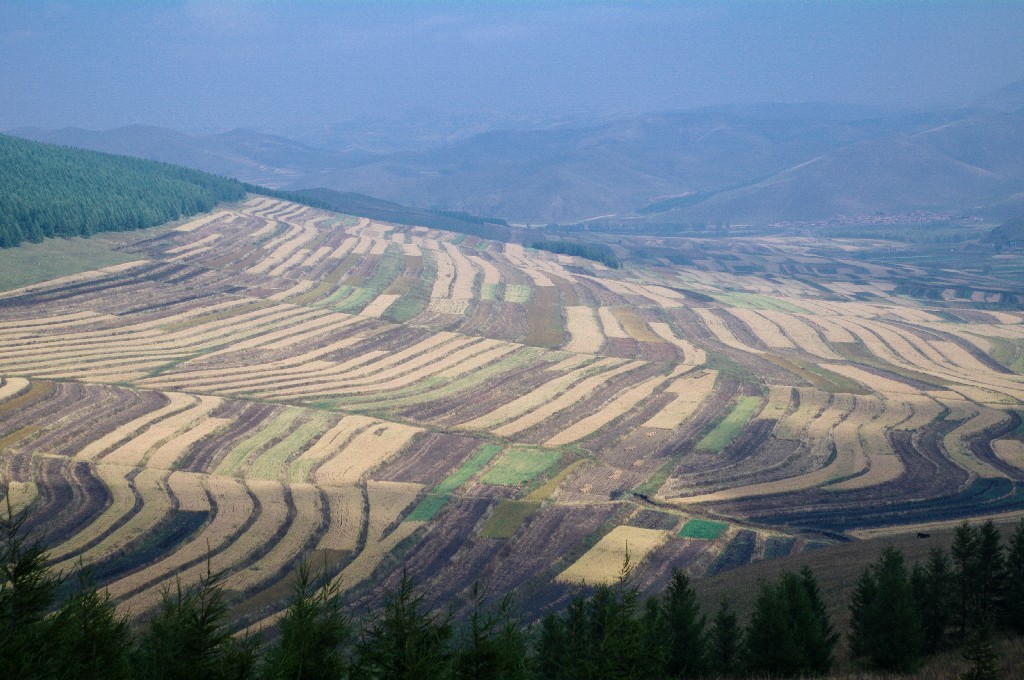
899, 615
48, 191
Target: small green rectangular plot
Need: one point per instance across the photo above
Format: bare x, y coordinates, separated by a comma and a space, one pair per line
719, 438
507, 518
427, 508
705, 529
520, 465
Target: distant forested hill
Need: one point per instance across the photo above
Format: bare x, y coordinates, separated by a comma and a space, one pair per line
48, 191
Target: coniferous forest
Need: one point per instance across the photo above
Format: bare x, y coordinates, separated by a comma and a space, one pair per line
51, 191
52, 626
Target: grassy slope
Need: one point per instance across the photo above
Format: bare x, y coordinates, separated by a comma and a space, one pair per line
837, 568
36, 262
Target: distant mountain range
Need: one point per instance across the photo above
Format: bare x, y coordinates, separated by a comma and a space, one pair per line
752, 164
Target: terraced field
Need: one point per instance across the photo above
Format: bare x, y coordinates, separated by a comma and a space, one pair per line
272, 382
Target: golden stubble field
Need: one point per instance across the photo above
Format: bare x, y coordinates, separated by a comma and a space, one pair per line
270, 383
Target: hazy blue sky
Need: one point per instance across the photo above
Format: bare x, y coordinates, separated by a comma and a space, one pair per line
278, 65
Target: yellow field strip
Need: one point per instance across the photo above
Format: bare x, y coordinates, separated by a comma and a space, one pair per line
344, 248
156, 503
690, 391
115, 478
368, 449
293, 261
387, 501
1010, 451
805, 337
189, 490
297, 289
298, 364
307, 520
538, 277
610, 324
202, 221
345, 504
565, 400
12, 387
363, 245
692, 355
332, 443
584, 333
812, 403
766, 330
537, 397
273, 515
444, 276
401, 375
295, 238
956, 441
298, 375
714, 323
833, 331
870, 380
305, 327
492, 276
621, 405
49, 323
465, 274
602, 564
779, 399
19, 496
900, 351
135, 450
422, 353
379, 305
176, 403
205, 241
168, 455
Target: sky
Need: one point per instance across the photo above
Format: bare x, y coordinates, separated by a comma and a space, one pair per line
287, 64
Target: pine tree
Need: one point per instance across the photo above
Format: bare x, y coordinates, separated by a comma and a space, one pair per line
934, 591
405, 642
27, 591
492, 644
991, 571
726, 642
1013, 604
885, 623
821, 650
189, 637
790, 632
313, 633
89, 639
551, 659
685, 623
964, 553
863, 613
979, 652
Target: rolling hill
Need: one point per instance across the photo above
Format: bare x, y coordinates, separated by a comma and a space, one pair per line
734, 164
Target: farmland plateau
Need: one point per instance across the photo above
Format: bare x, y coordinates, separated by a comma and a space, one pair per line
272, 382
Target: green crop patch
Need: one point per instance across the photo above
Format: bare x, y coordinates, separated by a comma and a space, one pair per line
53, 258
704, 529
520, 465
435, 500
753, 301
719, 438
507, 518
515, 292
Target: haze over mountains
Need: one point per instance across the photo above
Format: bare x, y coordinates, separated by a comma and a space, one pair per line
739, 164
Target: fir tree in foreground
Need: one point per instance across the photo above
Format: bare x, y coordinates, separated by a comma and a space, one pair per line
885, 623
313, 633
790, 633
